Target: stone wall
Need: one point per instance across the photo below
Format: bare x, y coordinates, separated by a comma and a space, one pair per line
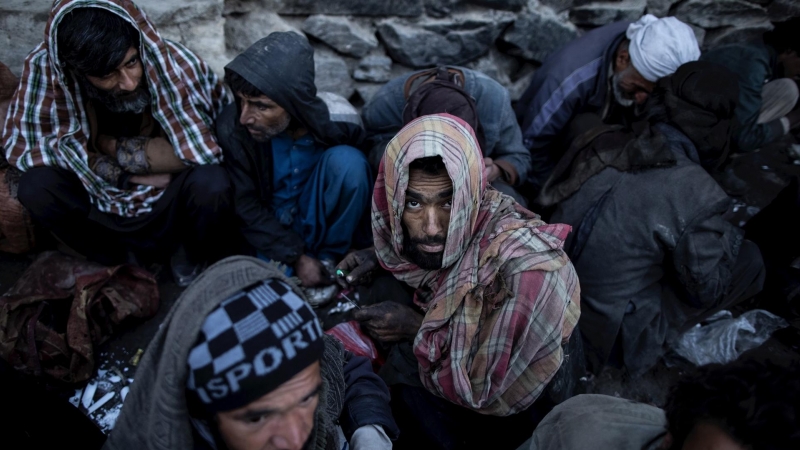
361, 44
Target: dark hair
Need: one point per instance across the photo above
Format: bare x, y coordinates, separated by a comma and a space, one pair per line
239, 85
757, 404
94, 41
432, 165
785, 36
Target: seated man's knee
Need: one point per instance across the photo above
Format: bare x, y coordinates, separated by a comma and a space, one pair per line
209, 186
349, 163
38, 188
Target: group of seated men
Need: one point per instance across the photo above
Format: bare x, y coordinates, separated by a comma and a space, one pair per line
131, 150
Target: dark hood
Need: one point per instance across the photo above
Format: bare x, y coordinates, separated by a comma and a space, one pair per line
699, 99
281, 66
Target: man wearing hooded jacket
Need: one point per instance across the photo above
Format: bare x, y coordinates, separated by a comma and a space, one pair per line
300, 187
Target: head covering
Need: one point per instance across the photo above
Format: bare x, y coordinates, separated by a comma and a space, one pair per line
251, 343
507, 296
281, 66
659, 46
700, 100
48, 126
159, 413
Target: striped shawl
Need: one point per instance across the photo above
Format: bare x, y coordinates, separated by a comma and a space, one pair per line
47, 122
507, 297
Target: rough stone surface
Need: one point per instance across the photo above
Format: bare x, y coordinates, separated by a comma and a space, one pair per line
736, 35
660, 8
342, 34
331, 73
780, 10
537, 33
512, 5
598, 14
367, 90
376, 40
720, 13
450, 41
374, 68
242, 31
405, 8
558, 5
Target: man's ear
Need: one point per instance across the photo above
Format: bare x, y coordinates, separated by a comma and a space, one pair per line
623, 58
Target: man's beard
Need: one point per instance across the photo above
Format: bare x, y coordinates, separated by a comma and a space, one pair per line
619, 96
263, 134
118, 101
425, 260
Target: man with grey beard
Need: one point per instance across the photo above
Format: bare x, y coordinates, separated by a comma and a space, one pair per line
608, 71
113, 128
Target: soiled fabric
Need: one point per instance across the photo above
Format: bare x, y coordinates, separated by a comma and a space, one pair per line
600, 421
659, 46
507, 296
700, 100
47, 123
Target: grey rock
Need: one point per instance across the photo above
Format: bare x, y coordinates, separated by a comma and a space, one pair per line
511, 5
537, 33
241, 31
342, 34
206, 38
720, 13
180, 11
442, 41
405, 8
367, 90
374, 68
496, 65
699, 34
558, 5
521, 82
751, 33
21, 29
598, 14
660, 8
331, 73
780, 10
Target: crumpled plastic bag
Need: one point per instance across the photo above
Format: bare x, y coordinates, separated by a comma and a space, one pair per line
722, 338
356, 342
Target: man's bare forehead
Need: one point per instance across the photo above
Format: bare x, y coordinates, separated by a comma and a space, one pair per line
425, 186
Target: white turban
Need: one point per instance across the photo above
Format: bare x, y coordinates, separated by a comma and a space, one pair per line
659, 46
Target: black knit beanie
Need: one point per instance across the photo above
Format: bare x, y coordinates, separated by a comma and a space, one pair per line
250, 344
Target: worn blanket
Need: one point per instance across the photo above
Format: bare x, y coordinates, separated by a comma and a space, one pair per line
507, 296
47, 122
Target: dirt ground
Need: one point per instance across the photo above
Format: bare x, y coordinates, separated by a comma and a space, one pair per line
766, 171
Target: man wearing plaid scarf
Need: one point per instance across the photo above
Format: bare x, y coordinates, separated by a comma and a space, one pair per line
112, 127
495, 296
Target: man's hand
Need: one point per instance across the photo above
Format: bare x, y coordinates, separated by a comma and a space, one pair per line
310, 271
491, 172
359, 266
159, 180
390, 321
108, 146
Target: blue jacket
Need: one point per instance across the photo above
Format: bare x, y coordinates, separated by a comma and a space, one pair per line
503, 139
754, 66
571, 81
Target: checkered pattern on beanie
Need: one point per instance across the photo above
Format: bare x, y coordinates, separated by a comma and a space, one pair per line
245, 337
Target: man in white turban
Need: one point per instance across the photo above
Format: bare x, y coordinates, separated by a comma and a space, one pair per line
606, 71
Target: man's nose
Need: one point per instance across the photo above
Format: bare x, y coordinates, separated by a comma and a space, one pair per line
290, 435
127, 82
640, 97
432, 226
246, 118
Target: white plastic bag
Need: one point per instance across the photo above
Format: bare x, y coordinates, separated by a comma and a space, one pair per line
723, 338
